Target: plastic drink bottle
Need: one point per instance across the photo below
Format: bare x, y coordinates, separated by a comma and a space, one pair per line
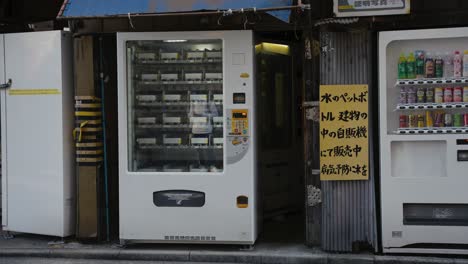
457, 64
402, 67
439, 66
411, 66
448, 65
420, 71
465, 63
429, 66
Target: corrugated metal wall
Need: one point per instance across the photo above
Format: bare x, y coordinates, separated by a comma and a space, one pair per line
348, 207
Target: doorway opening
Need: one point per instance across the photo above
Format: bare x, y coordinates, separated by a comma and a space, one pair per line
280, 141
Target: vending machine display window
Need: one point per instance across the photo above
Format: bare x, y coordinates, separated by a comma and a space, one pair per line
174, 92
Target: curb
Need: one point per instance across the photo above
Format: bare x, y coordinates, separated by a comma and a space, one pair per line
208, 256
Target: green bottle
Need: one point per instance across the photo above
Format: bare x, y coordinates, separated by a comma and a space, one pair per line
402, 67
411, 66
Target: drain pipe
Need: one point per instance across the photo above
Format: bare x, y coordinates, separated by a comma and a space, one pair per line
104, 139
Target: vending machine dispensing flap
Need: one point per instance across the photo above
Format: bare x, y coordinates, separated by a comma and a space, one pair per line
179, 198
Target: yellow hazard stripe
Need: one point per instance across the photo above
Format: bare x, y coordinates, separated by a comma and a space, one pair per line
90, 122
87, 113
33, 91
345, 7
90, 129
93, 144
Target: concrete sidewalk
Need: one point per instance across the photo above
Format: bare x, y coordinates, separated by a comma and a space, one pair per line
27, 247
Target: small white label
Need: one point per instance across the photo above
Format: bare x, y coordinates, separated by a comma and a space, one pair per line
217, 97
199, 141
214, 54
169, 55
146, 141
171, 120
149, 77
193, 76
169, 76
199, 97
194, 55
198, 120
147, 120
217, 119
218, 141
146, 98
146, 56
213, 76
172, 141
172, 97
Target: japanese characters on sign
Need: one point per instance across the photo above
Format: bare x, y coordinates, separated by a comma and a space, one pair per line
344, 142
346, 8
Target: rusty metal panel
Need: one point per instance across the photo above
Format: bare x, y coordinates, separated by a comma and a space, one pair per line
348, 207
99, 8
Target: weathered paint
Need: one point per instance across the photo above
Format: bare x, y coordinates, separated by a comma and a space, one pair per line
348, 207
99, 8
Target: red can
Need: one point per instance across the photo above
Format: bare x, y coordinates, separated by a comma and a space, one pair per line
466, 120
403, 121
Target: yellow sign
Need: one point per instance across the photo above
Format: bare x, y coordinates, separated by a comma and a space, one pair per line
33, 91
344, 142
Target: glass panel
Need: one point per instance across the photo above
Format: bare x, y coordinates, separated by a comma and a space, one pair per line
175, 105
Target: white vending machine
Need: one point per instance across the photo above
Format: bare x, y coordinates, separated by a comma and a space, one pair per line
38, 193
187, 137
424, 140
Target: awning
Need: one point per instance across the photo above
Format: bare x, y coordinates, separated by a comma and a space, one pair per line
82, 9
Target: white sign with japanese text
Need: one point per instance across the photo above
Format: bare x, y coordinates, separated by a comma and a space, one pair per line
348, 8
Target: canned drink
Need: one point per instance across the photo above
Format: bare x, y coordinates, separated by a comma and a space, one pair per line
439, 95
448, 94
448, 120
403, 121
421, 95
439, 119
411, 95
420, 121
457, 120
458, 94
403, 96
465, 94
429, 95
429, 120
412, 121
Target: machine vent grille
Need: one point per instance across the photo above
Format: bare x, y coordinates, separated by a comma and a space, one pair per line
190, 238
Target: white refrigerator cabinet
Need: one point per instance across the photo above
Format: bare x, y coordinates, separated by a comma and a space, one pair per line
424, 150
38, 193
196, 181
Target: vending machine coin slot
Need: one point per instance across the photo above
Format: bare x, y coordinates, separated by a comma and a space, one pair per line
238, 98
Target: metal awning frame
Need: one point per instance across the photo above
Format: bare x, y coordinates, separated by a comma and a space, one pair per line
219, 12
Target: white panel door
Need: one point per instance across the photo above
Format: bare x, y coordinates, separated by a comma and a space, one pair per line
2, 129
33, 134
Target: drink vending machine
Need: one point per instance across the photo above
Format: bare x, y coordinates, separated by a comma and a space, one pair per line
423, 140
187, 138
